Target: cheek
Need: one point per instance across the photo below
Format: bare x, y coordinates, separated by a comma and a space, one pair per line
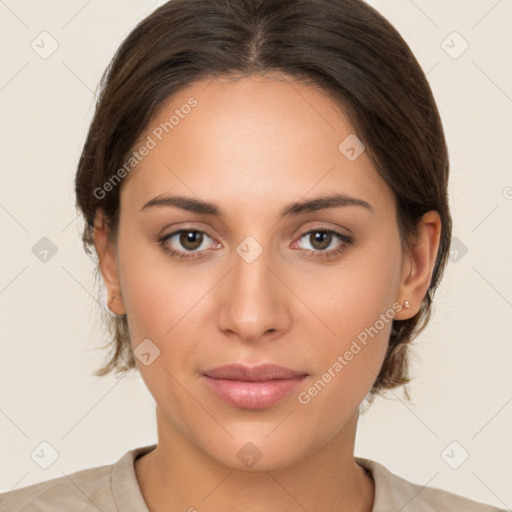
357, 307
352, 295
346, 364
158, 295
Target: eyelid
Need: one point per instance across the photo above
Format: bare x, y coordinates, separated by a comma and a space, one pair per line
345, 240
297, 235
324, 226
175, 232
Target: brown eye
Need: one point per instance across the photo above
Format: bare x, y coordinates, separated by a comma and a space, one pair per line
191, 240
322, 243
187, 244
320, 240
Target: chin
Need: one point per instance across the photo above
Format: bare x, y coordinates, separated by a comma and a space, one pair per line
257, 453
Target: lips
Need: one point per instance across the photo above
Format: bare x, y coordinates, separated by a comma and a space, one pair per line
253, 374
254, 387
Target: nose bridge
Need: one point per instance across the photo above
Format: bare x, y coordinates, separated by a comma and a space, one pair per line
252, 303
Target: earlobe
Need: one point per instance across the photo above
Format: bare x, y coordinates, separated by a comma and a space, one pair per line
107, 257
420, 261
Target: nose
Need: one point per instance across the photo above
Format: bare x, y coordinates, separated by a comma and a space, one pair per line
253, 302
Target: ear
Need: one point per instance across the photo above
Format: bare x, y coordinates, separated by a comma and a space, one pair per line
106, 251
418, 264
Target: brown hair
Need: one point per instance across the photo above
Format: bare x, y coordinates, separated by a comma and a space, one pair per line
343, 46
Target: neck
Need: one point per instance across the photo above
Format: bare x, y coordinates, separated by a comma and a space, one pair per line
178, 475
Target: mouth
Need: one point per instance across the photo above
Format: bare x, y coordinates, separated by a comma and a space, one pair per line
255, 387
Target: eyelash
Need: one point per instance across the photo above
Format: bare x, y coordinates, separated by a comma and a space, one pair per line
323, 255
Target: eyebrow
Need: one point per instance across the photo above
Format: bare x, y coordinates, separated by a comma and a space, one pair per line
204, 207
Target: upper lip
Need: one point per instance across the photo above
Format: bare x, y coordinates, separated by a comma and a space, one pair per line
258, 373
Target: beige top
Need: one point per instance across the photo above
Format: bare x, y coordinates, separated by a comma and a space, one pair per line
114, 488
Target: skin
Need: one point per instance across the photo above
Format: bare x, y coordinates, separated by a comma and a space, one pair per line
251, 146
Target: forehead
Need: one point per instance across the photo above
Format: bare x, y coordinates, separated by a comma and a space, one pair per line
252, 138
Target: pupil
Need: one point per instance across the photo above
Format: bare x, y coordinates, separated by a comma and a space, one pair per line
193, 238
323, 238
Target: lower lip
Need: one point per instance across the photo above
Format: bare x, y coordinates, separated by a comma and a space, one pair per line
253, 395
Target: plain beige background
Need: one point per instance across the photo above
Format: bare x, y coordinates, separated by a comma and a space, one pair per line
50, 330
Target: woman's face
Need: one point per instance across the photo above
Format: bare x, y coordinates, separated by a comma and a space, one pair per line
249, 284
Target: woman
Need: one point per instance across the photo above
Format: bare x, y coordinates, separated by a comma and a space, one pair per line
264, 184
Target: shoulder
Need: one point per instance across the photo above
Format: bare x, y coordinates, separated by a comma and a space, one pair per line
109, 488
87, 489
393, 492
